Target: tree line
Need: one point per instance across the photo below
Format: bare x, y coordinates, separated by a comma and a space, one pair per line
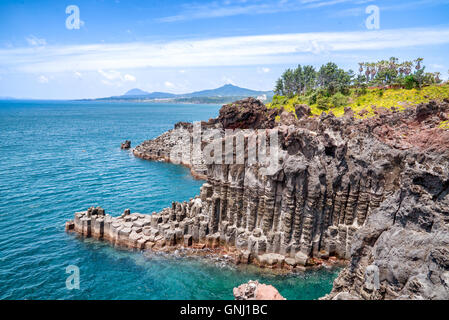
331, 80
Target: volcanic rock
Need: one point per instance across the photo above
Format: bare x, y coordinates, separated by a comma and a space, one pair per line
126, 145
253, 290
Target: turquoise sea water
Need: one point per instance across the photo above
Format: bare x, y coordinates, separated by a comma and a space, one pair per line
60, 157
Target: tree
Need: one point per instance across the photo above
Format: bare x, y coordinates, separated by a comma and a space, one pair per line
279, 88
299, 80
289, 82
418, 63
332, 79
310, 76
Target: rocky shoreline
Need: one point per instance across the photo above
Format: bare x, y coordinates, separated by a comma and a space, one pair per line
149, 232
373, 192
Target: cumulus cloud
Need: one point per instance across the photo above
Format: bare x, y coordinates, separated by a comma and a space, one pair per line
113, 77
168, 84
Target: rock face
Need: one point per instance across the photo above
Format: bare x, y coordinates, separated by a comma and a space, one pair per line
126, 145
253, 290
402, 252
170, 146
247, 114
359, 190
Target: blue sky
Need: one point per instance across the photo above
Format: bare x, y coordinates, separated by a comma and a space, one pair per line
182, 46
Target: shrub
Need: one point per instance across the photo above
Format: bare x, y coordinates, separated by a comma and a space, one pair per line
339, 100
410, 82
361, 91
323, 102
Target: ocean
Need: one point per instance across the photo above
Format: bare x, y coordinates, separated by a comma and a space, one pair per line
59, 157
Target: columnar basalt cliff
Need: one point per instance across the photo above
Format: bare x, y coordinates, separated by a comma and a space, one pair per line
374, 192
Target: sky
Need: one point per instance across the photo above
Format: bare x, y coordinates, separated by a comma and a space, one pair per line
48, 51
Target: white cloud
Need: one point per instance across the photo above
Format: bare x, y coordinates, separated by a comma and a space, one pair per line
168, 84
42, 79
113, 77
110, 75
228, 51
263, 70
390, 6
129, 77
35, 41
78, 74
216, 9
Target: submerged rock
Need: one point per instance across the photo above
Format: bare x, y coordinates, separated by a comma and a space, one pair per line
126, 145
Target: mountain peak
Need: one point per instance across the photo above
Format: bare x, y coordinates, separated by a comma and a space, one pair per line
227, 90
136, 92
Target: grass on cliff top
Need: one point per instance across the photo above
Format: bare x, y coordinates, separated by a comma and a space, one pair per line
444, 125
371, 100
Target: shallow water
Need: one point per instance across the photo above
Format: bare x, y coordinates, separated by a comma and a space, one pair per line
60, 157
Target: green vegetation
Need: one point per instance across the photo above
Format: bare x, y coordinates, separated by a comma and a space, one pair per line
388, 73
306, 81
444, 125
370, 100
384, 84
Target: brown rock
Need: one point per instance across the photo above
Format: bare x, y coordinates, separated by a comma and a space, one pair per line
126, 145
253, 290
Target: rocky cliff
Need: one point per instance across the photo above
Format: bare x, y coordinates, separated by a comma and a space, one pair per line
373, 191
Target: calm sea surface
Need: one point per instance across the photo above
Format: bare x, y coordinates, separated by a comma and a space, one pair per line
60, 157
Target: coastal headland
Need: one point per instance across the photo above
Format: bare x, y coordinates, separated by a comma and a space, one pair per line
373, 192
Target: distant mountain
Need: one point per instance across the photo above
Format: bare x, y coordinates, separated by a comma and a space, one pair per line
226, 93
136, 92
227, 90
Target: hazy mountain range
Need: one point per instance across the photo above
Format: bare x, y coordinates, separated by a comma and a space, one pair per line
226, 93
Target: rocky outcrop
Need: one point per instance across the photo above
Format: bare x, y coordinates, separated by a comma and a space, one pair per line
126, 145
343, 188
247, 114
253, 290
173, 144
402, 252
